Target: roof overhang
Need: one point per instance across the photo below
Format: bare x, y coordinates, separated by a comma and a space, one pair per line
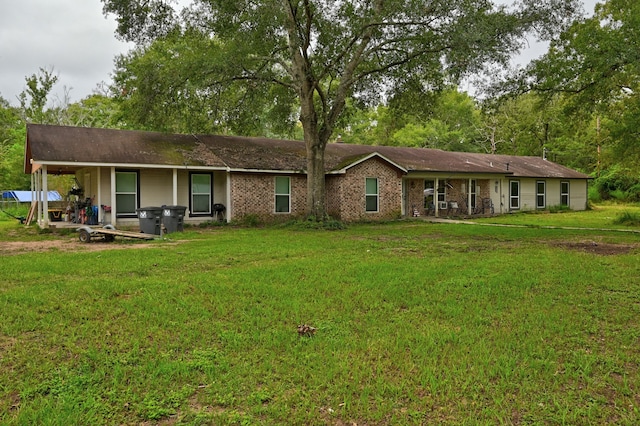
61, 167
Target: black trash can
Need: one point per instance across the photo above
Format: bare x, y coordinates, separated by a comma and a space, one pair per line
150, 219
173, 218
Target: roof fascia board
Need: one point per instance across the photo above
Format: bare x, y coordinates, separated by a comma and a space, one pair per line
455, 174
268, 171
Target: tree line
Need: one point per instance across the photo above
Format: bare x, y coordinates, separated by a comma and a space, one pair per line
381, 73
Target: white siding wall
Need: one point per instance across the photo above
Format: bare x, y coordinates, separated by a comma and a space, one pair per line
156, 187
578, 197
577, 194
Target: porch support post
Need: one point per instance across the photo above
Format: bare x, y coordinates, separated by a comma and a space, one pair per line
436, 201
39, 197
175, 187
99, 195
469, 190
45, 198
229, 213
113, 196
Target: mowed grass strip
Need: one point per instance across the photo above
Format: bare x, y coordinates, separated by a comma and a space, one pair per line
417, 323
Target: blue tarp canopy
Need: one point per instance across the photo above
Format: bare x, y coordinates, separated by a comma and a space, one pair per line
25, 196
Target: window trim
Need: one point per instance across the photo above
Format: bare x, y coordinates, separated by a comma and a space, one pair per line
137, 193
191, 194
565, 194
276, 194
516, 197
367, 195
541, 195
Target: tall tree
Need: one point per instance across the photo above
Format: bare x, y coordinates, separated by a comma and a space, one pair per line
325, 51
595, 63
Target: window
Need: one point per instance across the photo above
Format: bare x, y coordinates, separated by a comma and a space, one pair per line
283, 194
514, 194
371, 194
564, 193
541, 202
126, 193
201, 194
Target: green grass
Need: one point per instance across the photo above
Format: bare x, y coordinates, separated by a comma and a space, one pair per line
600, 216
418, 323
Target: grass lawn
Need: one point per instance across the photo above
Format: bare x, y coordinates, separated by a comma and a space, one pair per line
417, 323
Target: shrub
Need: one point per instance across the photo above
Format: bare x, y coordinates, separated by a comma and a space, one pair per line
627, 218
616, 183
560, 208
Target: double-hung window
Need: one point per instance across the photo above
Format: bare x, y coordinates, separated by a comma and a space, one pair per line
541, 197
126, 193
564, 193
514, 194
371, 194
201, 194
283, 194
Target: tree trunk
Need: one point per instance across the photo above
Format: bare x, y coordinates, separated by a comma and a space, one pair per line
316, 205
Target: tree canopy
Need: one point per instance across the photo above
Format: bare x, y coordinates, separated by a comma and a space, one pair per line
324, 51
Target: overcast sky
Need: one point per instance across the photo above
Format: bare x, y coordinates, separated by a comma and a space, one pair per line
75, 39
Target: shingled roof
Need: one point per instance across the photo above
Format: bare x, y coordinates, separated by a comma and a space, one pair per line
69, 148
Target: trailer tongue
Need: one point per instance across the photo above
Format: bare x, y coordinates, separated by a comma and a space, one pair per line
108, 233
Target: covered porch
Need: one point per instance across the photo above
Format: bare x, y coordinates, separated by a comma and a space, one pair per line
111, 194
439, 196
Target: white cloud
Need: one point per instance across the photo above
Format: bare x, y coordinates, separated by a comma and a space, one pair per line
72, 37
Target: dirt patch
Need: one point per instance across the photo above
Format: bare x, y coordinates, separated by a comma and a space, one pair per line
599, 248
71, 245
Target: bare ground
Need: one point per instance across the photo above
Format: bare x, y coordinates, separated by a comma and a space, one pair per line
65, 245
599, 248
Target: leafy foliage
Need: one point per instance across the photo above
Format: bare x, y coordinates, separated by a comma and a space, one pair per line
595, 65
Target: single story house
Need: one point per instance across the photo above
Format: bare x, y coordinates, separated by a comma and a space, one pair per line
124, 170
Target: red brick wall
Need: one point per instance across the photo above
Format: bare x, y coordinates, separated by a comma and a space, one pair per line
346, 193
254, 194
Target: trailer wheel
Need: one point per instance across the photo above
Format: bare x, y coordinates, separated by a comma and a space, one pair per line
84, 236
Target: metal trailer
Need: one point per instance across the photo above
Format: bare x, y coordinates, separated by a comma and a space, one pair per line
108, 233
